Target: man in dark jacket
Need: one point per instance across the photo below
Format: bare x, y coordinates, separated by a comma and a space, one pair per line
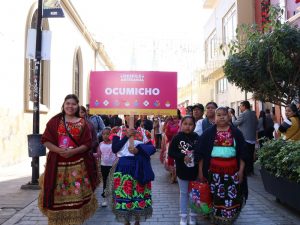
269, 125
106, 120
115, 120
247, 124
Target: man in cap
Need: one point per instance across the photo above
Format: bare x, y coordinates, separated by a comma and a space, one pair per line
198, 111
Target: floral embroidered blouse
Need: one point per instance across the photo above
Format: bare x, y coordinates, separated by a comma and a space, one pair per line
74, 128
224, 145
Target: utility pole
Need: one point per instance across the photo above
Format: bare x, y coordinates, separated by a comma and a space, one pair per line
36, 149
36, 94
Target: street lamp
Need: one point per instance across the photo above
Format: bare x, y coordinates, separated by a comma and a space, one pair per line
35, 148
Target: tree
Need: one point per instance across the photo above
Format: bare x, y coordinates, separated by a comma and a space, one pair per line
266, 63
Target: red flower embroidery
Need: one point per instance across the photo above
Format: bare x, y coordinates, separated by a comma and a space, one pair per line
117, 182
61, 129
148, 185
142, 204
140, 188
129, 205
75, 131
127, 187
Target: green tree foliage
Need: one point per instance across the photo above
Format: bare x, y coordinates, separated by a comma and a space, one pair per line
266, 63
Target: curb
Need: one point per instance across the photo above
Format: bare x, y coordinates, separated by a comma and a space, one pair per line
19, 215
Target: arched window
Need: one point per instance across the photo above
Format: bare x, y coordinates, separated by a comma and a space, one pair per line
30, 69
77, 74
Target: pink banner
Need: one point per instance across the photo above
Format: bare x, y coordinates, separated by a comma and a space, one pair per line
133, 92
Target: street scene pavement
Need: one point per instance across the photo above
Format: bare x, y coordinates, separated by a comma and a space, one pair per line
20, 206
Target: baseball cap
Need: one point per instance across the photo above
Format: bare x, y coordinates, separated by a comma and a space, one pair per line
199, 106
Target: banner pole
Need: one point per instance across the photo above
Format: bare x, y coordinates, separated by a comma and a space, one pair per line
131, 126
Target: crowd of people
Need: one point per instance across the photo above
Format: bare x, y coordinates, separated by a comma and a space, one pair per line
209, 144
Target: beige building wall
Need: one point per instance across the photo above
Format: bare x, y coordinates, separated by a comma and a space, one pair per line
191, 93
213, 73
184, 95
67, 38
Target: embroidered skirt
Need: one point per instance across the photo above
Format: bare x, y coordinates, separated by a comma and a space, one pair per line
74, 200
225, 189
130, 201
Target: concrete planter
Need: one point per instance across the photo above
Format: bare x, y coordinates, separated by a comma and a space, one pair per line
284, 190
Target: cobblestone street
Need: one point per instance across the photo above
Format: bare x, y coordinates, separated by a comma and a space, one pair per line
261, 208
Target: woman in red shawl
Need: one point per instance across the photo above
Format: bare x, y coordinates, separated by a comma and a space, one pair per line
68, 184
171, 128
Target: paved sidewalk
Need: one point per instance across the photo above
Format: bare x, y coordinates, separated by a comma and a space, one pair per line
261, 207
12, 198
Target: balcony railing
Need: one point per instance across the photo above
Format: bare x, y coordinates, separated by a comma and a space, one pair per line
207, 71
294, 19
215, 57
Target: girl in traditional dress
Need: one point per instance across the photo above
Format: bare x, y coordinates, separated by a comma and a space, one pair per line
130, 179
222, 153
68, 184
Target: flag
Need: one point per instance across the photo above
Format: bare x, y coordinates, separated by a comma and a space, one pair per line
52, 8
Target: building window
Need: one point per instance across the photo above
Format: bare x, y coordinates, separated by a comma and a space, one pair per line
211, 46
30, 69
222, 85
77, 74
229, 25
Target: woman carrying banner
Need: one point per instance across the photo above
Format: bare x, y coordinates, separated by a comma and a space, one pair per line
129, 185
68, 183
